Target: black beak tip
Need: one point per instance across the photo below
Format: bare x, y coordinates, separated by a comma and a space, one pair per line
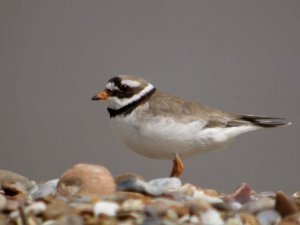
95, 98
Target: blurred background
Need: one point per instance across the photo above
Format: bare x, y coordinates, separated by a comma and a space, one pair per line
237, 56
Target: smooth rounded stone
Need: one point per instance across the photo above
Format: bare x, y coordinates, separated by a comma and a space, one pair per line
70, 219
265, 194
151, 217
86, 179
211, 217
132, 205
242, 194
249, 219
258, 205
268, 217
296, 194
197, 193
122, 196
80, 208
35, 208
284, 205
12, 205
9, 176
291, 220
44, 189
55, 209
13, 188
2, 202
235, 220
195, 207
50, 222
154, 187
106, 208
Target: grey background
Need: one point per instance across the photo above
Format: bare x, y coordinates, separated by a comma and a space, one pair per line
238, 56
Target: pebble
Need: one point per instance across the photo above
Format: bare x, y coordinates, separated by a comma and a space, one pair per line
9, 176
260, 204
284, 205
106, 208
242, 194
248, 219
163, 201
86, 179
195, 193
211, 217
45, 189
268, 217
2, 202
155, 187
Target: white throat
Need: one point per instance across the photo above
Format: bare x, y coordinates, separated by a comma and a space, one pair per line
117, 103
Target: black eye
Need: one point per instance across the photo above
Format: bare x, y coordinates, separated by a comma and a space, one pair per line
124, 87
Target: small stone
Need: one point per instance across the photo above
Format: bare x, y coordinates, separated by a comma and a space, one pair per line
106, 208
50, 222
70, 219
55, 209
154, 187
195, 207
284, 205
248, 219
132, 205
296, 194
291, 220
258, 205
242, 194
2, 202
8, 176
268, 217
44, 189
211, 217
235, 220
11, 205
12, 188
86, 179
197, 193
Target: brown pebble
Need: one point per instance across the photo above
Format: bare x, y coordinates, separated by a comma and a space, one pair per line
195, 207
13, 188
291, 220
86, 179
11, 205
248, 219
2, 202
284, 205
6, 175
55, 209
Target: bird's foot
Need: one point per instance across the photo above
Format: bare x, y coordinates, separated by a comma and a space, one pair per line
178, 167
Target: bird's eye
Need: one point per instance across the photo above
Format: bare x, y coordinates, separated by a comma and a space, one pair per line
124, 87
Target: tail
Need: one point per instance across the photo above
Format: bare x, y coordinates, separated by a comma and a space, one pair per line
264, 121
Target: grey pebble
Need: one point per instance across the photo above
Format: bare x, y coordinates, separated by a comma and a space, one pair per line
258, 205
268, 217
154, 187
44, 189
9, 176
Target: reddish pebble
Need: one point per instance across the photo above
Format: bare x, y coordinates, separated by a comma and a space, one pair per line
86, 179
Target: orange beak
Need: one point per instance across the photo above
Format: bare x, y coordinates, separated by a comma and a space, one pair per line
103, 95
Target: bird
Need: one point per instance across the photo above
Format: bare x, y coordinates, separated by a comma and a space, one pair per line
159, 125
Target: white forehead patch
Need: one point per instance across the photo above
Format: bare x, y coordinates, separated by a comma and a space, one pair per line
131, 83
111, 86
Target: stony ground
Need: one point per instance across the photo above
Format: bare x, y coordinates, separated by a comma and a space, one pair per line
88, 194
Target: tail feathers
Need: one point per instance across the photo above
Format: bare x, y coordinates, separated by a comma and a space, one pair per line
264, 121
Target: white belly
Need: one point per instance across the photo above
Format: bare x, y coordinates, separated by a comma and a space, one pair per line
161, 137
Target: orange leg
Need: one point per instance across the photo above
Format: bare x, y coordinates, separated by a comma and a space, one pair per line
177, 167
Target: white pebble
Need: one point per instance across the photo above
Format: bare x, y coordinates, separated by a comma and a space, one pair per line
106, 208
202, 196
211, 217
